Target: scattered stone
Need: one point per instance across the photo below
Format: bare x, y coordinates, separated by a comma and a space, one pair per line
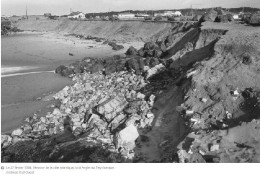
204, 100
17, 132
6, 140
214, 147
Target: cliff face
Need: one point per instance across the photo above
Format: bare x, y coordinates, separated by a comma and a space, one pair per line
117, 30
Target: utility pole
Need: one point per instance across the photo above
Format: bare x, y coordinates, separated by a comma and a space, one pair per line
26, 13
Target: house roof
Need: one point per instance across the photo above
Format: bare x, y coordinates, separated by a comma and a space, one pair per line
74, 13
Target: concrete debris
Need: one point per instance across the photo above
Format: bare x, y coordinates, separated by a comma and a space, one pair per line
17, 132
214, 148
127, 137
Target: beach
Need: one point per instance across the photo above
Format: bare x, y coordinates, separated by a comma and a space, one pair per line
27, 70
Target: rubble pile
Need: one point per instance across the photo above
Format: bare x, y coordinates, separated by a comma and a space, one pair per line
102, 108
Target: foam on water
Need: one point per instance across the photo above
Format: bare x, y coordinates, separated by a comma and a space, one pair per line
9, 69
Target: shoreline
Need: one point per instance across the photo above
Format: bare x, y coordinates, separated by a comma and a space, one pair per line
24, 68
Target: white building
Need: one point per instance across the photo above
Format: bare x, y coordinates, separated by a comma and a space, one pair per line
169, 13
177, 13
158, 14
142, 15
126, 15
77, 15
236, 17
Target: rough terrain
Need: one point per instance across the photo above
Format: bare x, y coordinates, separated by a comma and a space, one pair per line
191, 95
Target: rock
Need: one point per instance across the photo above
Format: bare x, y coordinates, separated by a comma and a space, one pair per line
117, 121
214, 148
150, 115
155, 70
141, 52
140, 95
115, 46
64, 71
149, 46
151, 100
17, 132
98, 40
149, 53
18, 139
183, 156
151, 62
127, 136
6, 140
27, 128
196, 158
157, 53
131, 51
77, 131
136, 64
43, 119
111, 107
189, 112
204, 100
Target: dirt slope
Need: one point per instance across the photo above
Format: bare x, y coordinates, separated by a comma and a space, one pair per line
122, 30
222, 121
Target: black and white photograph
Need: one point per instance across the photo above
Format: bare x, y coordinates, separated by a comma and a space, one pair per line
129, 81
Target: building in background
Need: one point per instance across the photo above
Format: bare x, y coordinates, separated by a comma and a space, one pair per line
126, 15
77, 15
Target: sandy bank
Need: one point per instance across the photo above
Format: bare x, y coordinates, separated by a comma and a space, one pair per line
118, 30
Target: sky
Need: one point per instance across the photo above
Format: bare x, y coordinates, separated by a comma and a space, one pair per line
62, 7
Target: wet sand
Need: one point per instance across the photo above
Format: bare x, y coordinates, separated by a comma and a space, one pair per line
27, 60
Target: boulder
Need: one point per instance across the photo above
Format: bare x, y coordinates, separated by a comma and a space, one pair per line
141, 52
117, 121
153, 71
161, 45
149, 53
131, 51
157, 53
112, 107
17, 132
149, 46
151, 61
64, 71
136, 64
115, 46
126, 137
6, 140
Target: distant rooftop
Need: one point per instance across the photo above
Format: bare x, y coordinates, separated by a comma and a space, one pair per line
74, 13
